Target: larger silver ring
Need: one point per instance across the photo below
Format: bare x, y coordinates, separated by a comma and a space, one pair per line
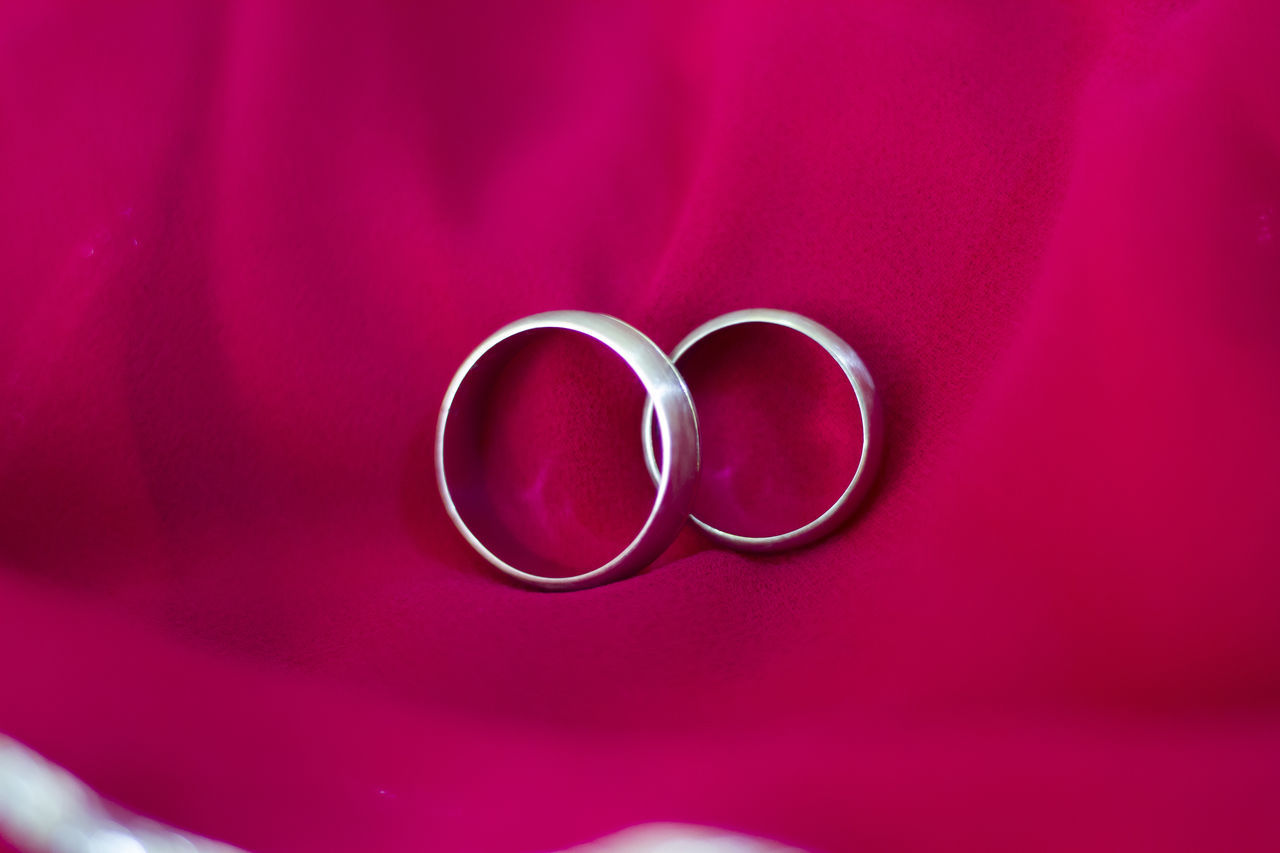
869, 407
676, 478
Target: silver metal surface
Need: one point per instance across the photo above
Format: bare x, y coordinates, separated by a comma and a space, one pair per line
869, 406
676, 477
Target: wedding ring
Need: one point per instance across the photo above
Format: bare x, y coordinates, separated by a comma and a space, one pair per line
869, 407
457, 450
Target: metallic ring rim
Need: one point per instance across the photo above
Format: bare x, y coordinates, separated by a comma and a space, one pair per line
676, 478
870, 408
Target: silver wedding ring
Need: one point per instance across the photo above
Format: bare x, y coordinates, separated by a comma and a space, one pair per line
674, 467
868, 407
457, 450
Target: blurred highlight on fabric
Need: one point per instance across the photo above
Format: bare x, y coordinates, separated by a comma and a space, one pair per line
44, 808
244, 247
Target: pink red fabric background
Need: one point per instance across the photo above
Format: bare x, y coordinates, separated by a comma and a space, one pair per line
244, 247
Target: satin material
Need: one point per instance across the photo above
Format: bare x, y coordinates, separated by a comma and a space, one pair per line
244, 247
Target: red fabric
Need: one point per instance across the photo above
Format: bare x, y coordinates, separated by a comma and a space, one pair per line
244, 248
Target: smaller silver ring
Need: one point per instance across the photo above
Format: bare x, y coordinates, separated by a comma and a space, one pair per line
869, 408
676, 480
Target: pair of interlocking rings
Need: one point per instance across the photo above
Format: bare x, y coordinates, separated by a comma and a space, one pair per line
457, 450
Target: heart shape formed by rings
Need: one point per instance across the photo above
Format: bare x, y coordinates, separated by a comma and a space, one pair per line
674, 467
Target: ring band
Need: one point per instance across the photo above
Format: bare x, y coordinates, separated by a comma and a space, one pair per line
676, 478
869, 407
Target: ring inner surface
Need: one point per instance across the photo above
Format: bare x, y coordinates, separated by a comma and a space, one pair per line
780, 428
540, 453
